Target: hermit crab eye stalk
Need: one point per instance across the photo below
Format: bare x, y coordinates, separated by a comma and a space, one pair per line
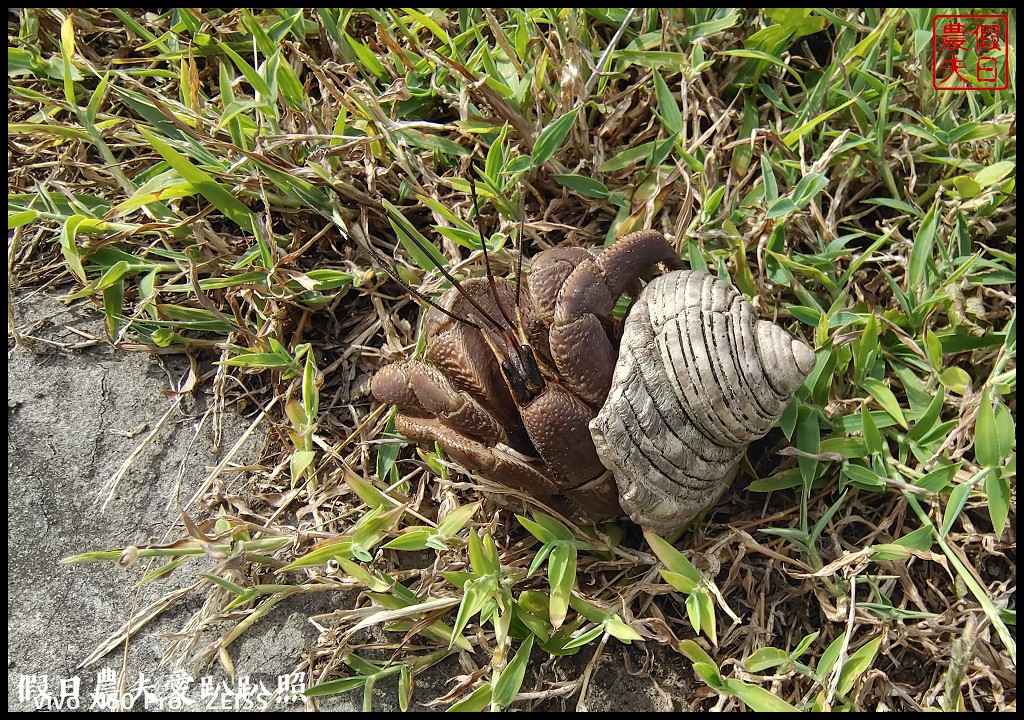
531, 372
516, 382
523, 377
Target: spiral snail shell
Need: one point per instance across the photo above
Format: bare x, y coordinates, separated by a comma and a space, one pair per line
698, 378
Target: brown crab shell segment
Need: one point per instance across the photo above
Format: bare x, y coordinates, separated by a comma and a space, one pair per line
698, 378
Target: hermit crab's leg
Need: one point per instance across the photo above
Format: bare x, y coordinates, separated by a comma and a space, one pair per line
418, 387
463, 356
548, 274
505, 467
580, 347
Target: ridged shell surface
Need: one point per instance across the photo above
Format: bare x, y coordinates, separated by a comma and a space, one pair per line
699, 377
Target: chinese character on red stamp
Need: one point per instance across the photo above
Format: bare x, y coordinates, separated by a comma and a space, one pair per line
970, 52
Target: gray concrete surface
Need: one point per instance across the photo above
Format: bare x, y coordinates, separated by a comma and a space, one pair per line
73, 419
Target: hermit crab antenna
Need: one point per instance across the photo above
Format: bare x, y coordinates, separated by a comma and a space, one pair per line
456, 284
390, 270
413, 291
487, 257
519, 260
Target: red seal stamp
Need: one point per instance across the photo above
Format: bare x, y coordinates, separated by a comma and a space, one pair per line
970, 52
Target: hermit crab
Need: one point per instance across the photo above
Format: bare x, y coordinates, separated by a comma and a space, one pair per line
536, 388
